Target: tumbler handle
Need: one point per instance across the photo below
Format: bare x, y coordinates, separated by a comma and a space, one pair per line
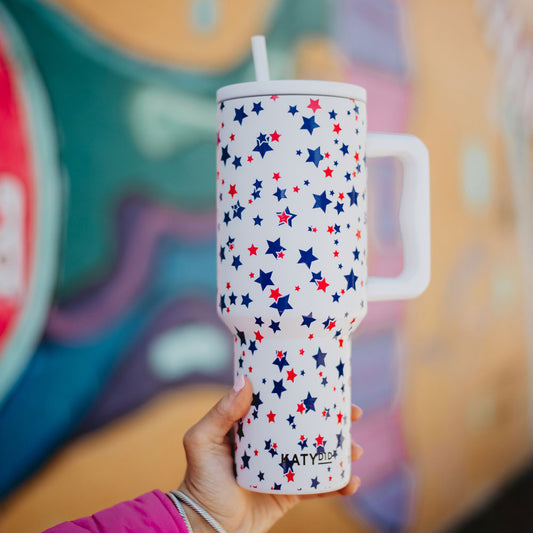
414, 217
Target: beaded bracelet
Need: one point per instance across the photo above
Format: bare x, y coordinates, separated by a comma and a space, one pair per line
200, 510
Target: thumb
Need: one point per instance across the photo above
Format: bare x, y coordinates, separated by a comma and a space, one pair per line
214, 426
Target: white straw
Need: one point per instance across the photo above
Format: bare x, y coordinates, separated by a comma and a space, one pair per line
260, 58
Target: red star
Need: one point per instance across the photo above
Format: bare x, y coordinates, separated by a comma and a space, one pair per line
302, 351
290, 476
339, 418
252, 275
232, 137
291, 374
274, 97
321, 285
283, 218
228, 285
329, 172
326, 155
297, 288
276, 176
358, 234
250, 159
314, 105
300, 408
336, 253
302, 437
341, 343
337, 128
258, 336
271, 416
319, 440
330, 229
256, 453
275, 136
250, 369
341, 196
296, 189
279, 354
253, 250
331, 325
232, 190
281, 255
356, 156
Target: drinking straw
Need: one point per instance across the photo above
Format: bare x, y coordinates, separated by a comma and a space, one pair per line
260, 58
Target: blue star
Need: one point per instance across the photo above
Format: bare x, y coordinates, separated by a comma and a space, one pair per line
258, 184
309, 124
252, 347
356, 254
233, 299
240, 115
307, 257
356, 109
256, 402
274, 326
340, 368
246, 300
241, 336
298, 152
353, 196
340, 439
314, 156
237, 210
332, 114
290, 216
258, 321
245, 460
257, 108
293, 110
280, 362
277, 486
236, 262
315, 483
351, 280
268, 444
336, 297
225, 154
222, 254
321, 201
302, 444
261, 476
236, 162
348, 176
290, 420
307, 320
227, 218
344, 149
278, 387
256, 194
339, 208
222, 105
324, 381
320, 357
309, 403
262, 146
280, 193
274, 247
264, 279
316, 276
222, 304
257, 220
282, 304
262, 138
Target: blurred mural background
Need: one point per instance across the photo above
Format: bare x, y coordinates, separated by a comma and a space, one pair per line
110, 343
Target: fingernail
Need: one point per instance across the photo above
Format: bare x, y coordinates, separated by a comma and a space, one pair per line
358, 480
239, 384
359, 412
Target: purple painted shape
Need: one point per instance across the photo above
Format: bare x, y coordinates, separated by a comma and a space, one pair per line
375, 370
370, 31
380, 435
134, 383
387, 504
141, 225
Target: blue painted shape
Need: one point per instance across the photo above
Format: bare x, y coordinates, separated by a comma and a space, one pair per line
387, 504
374, 370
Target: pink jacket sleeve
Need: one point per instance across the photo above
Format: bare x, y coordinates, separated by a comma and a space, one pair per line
152, 512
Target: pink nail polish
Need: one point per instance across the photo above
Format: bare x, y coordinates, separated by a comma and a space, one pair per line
239, 384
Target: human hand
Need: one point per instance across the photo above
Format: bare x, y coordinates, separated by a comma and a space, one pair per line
210, 480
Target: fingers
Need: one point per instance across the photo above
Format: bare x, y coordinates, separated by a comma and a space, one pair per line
357, 412
357, 451
214, 426
351, 488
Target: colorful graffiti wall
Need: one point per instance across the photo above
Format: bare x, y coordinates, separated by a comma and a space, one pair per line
110, 347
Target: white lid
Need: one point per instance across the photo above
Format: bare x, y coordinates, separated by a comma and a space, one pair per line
279, 87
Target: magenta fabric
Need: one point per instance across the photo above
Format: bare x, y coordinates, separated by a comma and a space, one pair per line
152, 512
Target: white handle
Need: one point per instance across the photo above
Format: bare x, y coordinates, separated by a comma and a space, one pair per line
414, 217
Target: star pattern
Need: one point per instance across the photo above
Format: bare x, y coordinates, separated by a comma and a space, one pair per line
291, 260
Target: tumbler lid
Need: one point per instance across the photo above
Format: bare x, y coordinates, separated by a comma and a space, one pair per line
296, 87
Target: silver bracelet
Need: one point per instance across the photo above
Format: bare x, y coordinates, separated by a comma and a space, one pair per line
181, 511
200, 510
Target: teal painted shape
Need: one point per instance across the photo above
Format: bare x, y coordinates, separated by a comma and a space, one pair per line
23, 339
